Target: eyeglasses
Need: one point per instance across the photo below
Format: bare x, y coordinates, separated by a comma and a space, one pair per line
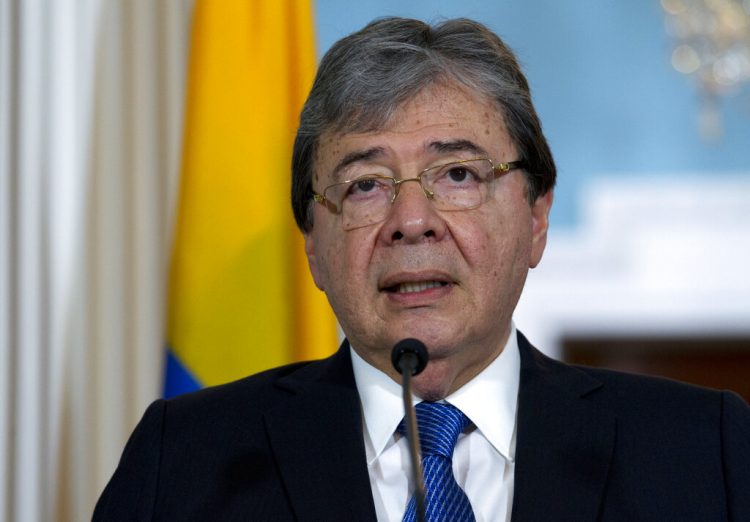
458, 185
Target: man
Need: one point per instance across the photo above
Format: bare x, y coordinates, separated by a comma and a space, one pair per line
422, 183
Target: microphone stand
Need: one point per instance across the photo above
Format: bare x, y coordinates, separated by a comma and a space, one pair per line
415, 453
409, 357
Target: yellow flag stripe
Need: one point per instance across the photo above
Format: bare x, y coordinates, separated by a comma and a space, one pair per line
241, 298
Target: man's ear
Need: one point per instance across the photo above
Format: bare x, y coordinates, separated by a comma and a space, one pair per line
539, 225
312, 260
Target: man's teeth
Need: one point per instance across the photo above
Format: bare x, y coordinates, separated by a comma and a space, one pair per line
407, 288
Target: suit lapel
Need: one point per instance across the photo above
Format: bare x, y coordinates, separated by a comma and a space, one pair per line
565, 440
316, 436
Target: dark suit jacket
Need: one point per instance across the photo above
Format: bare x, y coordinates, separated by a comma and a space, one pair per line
287, 444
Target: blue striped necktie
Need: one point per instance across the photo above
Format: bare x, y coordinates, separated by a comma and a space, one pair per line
439, 427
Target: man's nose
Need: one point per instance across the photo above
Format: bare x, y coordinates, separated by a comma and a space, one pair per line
412, 217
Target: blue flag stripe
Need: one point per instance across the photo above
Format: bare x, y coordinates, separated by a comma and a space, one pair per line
177, 379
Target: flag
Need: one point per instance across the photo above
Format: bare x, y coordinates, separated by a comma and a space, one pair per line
241, 298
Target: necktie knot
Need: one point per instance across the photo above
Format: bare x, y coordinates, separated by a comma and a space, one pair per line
440, 425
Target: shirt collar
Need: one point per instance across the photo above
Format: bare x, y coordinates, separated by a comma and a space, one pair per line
490, 400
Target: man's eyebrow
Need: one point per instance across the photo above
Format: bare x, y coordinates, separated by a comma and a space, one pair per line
355, 156
442, 147
458, 146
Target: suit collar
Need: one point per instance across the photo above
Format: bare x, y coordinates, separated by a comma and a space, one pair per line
565, 441
316, 437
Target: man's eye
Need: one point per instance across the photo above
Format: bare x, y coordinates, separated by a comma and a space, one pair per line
366, 188
458, 174
364, 185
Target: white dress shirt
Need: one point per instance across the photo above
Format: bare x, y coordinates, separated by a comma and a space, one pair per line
487, 449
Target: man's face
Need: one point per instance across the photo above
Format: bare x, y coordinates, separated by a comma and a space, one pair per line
475, 261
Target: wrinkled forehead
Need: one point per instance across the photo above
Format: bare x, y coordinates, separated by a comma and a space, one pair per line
450, 103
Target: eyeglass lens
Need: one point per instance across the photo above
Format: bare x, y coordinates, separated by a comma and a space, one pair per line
453, 186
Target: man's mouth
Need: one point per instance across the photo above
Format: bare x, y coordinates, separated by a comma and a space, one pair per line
412, 287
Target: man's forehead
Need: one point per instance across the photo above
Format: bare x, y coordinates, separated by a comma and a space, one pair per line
440, 120
450, 99
443, 146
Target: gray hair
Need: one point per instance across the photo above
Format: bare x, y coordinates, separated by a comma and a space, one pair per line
365, 77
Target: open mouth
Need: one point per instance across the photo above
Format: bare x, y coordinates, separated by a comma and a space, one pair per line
412, 287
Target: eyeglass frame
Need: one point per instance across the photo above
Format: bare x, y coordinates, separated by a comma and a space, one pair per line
499, 170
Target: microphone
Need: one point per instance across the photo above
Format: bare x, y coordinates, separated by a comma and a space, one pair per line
411, 355
409, 358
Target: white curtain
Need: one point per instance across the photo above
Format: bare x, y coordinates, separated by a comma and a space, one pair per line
91, 101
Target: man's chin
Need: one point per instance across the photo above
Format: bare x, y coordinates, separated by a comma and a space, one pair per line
436, 382
438, 336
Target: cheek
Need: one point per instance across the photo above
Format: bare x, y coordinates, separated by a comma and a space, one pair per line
483, 239
496, 247
346, 261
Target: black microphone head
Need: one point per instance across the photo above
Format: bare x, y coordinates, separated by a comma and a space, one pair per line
409, 353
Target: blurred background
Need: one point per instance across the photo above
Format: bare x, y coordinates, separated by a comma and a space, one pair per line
146, 239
